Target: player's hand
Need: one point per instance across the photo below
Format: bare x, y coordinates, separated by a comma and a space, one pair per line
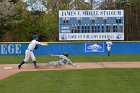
73, 65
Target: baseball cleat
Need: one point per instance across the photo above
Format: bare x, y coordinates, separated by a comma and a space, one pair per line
36, 67
19, 66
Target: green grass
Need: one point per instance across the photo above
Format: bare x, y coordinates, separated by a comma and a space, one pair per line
74, 58
74, 81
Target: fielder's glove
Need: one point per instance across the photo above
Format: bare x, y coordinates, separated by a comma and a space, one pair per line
36, 47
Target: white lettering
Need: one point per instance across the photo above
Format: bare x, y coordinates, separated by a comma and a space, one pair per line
10, 48
18, 48
94, 36
3, 49
65, 27
91, 13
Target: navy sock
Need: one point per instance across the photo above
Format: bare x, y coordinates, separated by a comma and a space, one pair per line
21, 63
34, 63
108, 53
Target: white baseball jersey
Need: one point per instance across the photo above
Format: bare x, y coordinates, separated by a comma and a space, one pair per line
33, 43
108, 43
64, 59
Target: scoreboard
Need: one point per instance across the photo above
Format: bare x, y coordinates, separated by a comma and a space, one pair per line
91, 24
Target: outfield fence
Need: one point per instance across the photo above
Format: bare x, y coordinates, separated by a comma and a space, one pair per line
79, 48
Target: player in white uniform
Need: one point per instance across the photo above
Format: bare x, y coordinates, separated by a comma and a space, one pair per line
63, 60
109, 45
29, 51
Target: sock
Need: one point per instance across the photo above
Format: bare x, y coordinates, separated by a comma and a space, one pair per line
21, 63
108, 53
34, 63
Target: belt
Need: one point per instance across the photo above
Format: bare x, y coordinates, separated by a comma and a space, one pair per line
29, 50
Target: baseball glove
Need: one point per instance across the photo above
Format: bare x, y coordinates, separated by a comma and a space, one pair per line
36, 47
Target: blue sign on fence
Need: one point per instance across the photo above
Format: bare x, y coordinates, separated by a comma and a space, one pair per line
94, 47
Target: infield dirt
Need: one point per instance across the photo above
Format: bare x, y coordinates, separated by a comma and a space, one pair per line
7, 70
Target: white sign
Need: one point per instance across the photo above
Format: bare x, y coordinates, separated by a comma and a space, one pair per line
94, 47
91, 36
91, 13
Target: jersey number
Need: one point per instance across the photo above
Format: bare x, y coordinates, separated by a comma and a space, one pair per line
65, 61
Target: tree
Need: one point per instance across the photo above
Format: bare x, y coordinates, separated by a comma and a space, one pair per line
13, 1
18, 23
9, 18
131, 16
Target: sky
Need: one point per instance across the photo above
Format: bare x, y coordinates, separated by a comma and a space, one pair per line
94, 0
38, 6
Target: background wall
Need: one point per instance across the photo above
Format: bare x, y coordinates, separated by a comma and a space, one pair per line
72, 48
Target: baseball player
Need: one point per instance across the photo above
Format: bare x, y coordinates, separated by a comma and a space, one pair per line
29, 51
108, 45
63, 60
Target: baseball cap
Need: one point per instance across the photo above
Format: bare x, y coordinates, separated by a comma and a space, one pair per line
66, 54
35, 36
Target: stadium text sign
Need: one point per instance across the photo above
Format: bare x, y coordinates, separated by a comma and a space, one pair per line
89, 13
91, 24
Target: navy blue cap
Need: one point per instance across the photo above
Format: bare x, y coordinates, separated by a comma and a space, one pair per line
35, 36
66, 54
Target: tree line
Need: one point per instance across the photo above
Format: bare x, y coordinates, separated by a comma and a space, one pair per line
17, 24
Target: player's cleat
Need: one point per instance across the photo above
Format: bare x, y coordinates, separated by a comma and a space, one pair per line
19, 66
108, 53
36, 67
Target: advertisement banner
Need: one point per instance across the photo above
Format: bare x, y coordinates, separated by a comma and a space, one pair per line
94, 47
91, 36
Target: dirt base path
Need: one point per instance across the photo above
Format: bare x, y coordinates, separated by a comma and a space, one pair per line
7, 70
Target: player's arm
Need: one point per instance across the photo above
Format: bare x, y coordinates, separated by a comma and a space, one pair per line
71, 63
42, 44
56, 55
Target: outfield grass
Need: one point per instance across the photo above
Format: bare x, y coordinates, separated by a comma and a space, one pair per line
74, 81
74, 58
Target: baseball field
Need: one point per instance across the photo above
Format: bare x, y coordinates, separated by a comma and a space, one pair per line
114, 74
